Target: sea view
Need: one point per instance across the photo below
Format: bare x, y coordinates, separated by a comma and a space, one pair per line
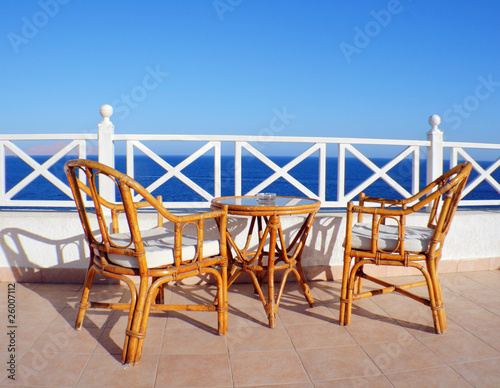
253, 172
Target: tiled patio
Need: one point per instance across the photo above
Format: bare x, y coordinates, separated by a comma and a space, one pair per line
390, 341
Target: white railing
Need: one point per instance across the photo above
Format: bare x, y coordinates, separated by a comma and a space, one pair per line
107, 140
484, 175
315, 145
76, 142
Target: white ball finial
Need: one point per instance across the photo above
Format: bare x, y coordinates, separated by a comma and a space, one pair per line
106, 112
434, 121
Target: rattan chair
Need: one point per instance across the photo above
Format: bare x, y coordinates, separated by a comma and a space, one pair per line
388, 240
157, 254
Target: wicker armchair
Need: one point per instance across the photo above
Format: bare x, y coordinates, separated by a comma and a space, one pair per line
156, 254
394, 243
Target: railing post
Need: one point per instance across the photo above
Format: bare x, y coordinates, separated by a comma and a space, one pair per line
435, 150
106, 154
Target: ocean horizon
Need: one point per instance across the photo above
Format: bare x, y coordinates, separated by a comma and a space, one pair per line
254, 172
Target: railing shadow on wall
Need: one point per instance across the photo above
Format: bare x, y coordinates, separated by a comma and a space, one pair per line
25, 268
32, 257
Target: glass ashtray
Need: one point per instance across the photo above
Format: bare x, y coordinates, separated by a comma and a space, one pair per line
266, 196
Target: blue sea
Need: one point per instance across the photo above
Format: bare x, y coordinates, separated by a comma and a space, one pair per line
253, 171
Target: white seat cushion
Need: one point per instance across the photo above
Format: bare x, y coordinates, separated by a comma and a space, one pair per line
417, 238
159, 246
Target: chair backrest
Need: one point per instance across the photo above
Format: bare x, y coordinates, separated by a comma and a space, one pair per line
443, 196
101, 243
447, 189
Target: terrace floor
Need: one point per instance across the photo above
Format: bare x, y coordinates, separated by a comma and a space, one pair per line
390, 341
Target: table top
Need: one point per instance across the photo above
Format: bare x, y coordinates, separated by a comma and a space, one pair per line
250, 204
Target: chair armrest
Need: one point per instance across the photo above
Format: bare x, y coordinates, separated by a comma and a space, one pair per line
201, 215
384, 203
383, 212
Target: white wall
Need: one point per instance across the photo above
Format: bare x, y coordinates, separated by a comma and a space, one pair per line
54, 239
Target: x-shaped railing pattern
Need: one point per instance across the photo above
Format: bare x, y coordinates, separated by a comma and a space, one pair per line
483, 174
281, 172
378, 172
176, 171
38, 169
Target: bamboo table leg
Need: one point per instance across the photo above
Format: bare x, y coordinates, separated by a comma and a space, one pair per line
272, 307
251, 262
272, 303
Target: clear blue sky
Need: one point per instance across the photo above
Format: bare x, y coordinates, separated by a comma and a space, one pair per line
334, 68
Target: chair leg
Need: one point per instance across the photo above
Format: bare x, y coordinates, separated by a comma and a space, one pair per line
436, 298
133, 333
441, 310
345, 302
222, 308
89, 277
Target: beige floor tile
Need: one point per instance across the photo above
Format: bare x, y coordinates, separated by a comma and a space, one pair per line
104, 370
365, 308
94, 318
337, 362
40, 369
321, 335
449, 294
42, 318
107, 291
38, 309
487, 278
66, 340
207, 320
489, 336
292, 293
484, 374
459, 348
460, 283
419, 330
443, 377
271, 367
195, 294
53, 297
485, 297
258, 338
458, 304
472, 317
356, 382
242, 295
156, 320
370, 331
112, 341
300, 315
193, 340
298, 385
307, 348
20, 296
103, 293
328, 292
243, 316
25, 337
58, 287
403, 308
392, 357
194, 370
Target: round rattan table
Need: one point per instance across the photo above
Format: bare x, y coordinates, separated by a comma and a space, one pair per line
273, 252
